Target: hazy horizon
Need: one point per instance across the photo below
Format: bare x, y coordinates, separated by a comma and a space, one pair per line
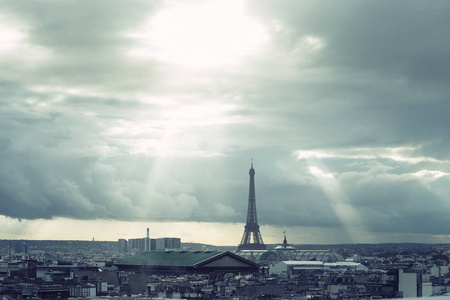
235, 246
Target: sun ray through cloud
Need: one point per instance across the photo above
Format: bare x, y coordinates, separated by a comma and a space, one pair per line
349, 218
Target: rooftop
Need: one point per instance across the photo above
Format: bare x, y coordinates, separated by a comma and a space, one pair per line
171, 258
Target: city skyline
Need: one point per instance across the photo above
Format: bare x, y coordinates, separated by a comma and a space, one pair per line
119, 117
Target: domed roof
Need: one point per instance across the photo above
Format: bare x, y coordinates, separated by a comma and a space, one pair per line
318, 255
282, 253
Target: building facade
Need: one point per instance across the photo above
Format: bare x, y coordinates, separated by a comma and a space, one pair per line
168, 243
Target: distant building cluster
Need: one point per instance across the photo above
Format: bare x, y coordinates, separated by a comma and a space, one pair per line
148, 244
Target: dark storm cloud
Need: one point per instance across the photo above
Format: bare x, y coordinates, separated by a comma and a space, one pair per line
405, 39
54, 165
401, 205
60, 165
381, 70
73, 26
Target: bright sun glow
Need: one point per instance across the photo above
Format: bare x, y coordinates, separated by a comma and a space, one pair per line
9, 38
202, 35
11, 34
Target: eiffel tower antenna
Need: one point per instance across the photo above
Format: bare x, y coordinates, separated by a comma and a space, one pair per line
252, 227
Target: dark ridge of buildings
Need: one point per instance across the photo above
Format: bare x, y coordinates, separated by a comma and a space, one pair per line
7, 246
111, 246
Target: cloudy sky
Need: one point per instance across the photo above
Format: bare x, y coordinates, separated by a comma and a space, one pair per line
118, 116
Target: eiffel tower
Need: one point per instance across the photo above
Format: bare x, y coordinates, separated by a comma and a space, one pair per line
252, 227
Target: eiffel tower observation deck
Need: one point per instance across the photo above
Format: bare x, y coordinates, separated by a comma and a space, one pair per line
252, 239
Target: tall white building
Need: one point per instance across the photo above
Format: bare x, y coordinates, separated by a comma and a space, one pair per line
168, 243
407, 284
136, 245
